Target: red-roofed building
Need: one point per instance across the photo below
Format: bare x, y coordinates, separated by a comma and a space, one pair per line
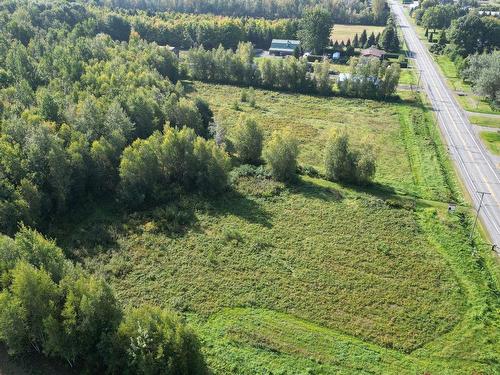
373, 52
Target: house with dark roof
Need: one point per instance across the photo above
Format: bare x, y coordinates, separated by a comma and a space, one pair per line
373, 52
283, 47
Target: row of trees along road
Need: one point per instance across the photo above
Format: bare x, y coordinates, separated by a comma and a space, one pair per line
464, 35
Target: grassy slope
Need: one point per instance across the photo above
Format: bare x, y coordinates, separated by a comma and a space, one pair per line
317, 277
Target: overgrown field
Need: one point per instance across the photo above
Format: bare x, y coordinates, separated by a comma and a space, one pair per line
313, 277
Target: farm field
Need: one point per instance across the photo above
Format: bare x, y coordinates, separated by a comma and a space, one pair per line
315, 277
343, 32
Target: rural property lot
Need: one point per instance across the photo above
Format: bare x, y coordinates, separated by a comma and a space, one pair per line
315, 275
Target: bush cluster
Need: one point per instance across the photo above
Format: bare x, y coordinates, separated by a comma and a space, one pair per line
51, 306
370, 78
153, 169
345, 164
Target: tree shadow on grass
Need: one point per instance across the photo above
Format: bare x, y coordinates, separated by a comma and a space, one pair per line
316, 191
234, 203
96, 226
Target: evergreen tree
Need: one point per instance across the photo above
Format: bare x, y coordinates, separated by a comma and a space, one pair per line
348, 44
355, 41
363, 39
442, 38
371, 40
389, 39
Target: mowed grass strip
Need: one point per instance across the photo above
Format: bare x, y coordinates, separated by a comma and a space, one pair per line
492, 141
249, 341
343, 32
352, 264
487, 121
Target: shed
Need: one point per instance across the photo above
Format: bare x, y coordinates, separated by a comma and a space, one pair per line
283, 47
175, 50
335, 55
373, 52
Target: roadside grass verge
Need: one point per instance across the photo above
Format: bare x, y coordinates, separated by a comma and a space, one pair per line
490, 122
492, 141
408, 77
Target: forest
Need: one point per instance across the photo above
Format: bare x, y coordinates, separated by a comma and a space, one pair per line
351, 11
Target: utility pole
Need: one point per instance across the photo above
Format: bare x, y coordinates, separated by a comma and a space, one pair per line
419, 75
483, 193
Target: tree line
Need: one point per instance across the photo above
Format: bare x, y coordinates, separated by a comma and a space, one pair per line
189, 30
352, 11
468, 38
370, 78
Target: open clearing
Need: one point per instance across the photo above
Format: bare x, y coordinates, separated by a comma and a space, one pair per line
343, 32
315, 277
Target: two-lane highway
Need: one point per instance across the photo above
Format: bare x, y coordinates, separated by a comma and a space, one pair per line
473, 162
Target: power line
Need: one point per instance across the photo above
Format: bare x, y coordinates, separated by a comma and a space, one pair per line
483, 193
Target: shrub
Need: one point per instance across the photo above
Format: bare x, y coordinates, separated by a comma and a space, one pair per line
244, 95
248, 139
78, 319
251, 97
154, 341
281, 154
346, 165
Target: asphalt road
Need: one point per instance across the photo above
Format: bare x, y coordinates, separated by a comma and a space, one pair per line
474, 164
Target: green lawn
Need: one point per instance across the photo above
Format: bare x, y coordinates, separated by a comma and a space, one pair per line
491, 122
408, 77
315, 277
343, 32
492, 141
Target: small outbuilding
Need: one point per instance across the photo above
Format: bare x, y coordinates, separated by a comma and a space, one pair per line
336, 56
175, 50
283, 47
373, 52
